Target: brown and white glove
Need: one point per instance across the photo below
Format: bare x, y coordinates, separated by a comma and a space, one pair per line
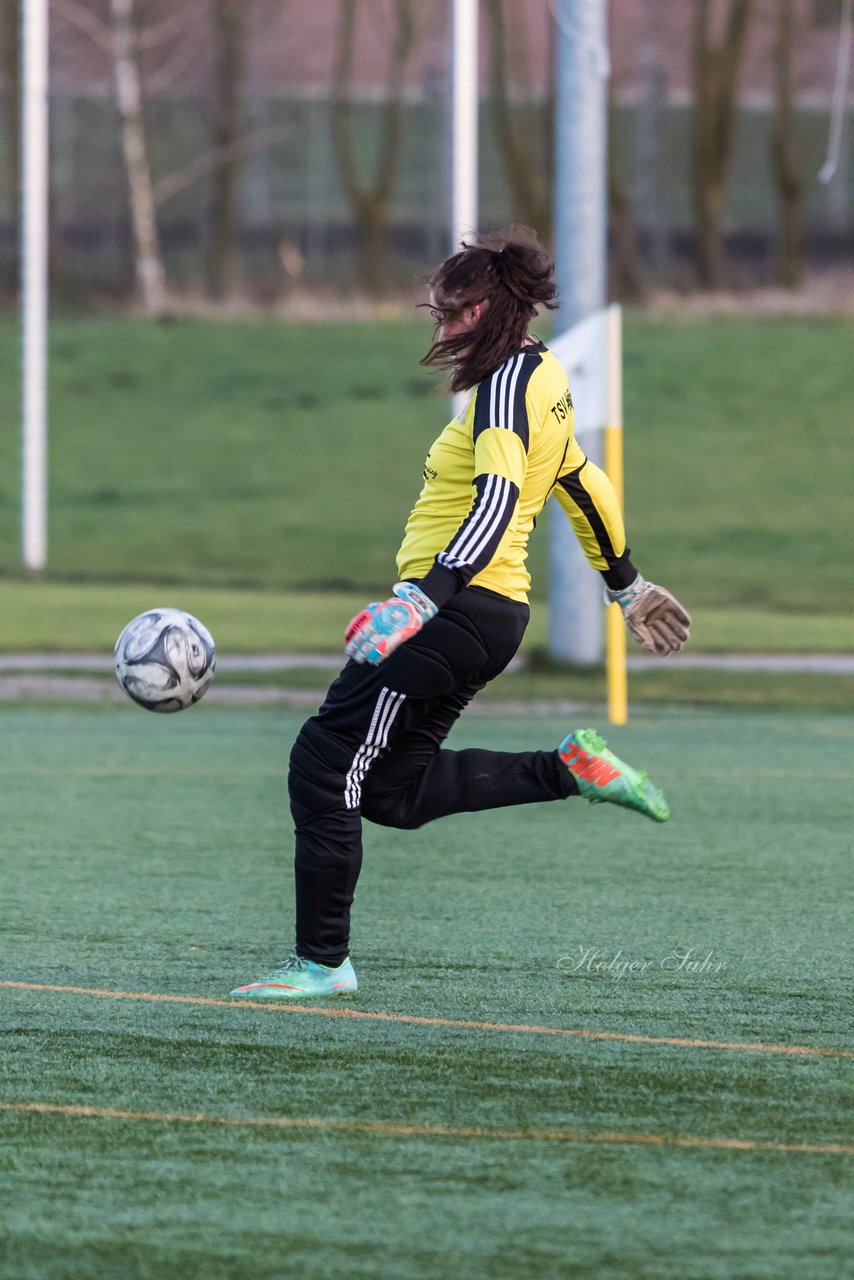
655, 617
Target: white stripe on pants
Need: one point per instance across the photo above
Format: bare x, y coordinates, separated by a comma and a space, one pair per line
388, 705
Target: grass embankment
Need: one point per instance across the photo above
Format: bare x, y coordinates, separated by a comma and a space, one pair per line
259, 474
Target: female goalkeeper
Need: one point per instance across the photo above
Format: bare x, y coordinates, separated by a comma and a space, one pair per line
458, 614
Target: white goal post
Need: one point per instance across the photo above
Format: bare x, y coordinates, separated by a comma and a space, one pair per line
34, 280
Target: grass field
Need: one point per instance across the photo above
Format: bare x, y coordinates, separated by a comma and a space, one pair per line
491, 1104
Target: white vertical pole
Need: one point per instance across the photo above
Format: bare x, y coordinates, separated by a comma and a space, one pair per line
464, 151
34, 248
581, 222
464, 96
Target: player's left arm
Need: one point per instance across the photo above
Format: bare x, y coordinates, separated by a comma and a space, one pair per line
381, 628
653, 615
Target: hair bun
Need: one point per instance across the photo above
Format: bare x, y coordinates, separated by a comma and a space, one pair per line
507, 271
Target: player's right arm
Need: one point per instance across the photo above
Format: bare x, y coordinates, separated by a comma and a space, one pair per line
655, 617
590, 502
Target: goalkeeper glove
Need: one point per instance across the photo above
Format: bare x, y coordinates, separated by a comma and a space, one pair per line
655, 618
379, 629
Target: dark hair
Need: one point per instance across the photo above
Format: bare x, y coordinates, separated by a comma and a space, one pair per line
510, 274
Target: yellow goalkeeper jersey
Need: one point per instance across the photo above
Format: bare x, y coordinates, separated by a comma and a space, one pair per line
488, 476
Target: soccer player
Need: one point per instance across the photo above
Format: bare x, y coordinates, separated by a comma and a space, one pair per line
458, 613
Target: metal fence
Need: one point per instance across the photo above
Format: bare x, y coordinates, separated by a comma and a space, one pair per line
295, 220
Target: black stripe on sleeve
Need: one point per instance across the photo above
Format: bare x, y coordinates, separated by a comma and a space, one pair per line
481, 408
573, 485
519, 407
621, 573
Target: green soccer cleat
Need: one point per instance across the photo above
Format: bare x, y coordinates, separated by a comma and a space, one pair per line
604, 779
298, 979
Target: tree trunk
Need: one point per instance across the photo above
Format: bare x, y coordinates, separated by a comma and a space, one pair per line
651, 36
625, 257
10, 69
229, 30
716, 66
709, 197
149, 263
371, 201
790, 187
530, 180
372, 247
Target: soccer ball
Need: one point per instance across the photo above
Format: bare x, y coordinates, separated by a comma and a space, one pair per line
165, 660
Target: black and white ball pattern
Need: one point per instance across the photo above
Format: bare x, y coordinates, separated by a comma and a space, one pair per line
165, 659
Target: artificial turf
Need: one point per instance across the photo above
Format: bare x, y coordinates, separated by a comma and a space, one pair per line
151, 855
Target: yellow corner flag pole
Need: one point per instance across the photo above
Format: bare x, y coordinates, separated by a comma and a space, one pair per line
618, 711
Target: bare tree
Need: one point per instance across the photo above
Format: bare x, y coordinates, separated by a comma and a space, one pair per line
10, 40
228, 20
122, 44
529, 179
716, 67
787, 171
119, 41
371, 201
625, 256
651, 37
150, 274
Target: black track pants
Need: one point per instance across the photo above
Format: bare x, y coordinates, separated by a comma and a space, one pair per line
374, 750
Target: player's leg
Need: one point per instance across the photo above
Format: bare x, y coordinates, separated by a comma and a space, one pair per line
328, 758
399, 713
468, 644
365, 711
420, 780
